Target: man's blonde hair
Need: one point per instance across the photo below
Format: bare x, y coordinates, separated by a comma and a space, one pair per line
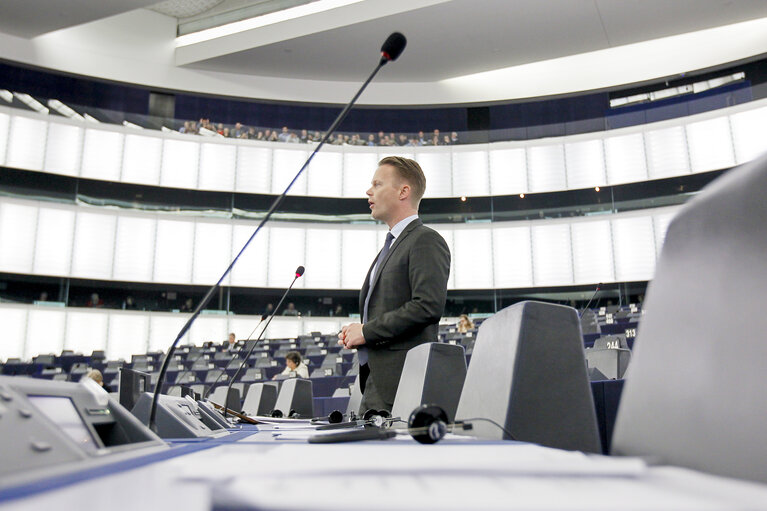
411, 172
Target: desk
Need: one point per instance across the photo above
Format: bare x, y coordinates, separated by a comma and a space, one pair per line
256, 469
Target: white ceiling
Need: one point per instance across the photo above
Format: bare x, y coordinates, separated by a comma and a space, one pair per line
462, 37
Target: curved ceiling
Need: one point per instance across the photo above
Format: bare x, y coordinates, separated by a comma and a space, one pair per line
459, 51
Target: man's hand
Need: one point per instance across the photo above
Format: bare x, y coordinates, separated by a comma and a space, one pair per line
351, 336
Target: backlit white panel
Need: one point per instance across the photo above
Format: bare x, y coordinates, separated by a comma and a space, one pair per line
470, 173
286, 253
661, 222
748, 130
626, 160
63, 149
217, 162
53, 251
667, 152
359, 249
128, 334
102, 155
173, 251
473, 255
358, 172
208, 329
243, 326
134, 248
180, 163
45, 332
508, 171
26, 143
634, 247
592, 252
5, 121
710, 145
283, 328
396, 151
436, 167
163, 330
552, 255
93, 245
13, 328
323, 258
86, 331
254, 169
142, 160
212, 246
324, 325
512, 257
286, 165
546, 168
251, 269
585, 164
325, 174
18, 225
448, 235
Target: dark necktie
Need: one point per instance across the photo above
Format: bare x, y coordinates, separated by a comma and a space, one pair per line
362, 354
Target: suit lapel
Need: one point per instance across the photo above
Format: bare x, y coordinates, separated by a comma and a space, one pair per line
396, 243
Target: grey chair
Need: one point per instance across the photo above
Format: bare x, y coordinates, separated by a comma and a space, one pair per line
695, 394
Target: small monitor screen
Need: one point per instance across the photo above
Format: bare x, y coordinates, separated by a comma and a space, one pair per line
62, 411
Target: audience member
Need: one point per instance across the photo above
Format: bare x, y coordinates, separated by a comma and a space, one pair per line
188, 305
290, 310
231, 343
95, 375
465, 324
95, 301
129, 303
294, 366
285, 135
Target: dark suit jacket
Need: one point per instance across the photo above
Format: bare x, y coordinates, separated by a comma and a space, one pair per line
409, 294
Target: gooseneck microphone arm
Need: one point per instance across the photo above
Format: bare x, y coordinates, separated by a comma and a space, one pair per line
299, 272
390, 51
599, 286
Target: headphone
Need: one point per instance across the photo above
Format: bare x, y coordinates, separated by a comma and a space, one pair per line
277, 414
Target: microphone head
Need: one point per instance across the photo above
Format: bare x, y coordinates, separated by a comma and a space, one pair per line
393, 47
299, 271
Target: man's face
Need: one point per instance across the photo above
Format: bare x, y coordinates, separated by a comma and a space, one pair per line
383, 194
231, 339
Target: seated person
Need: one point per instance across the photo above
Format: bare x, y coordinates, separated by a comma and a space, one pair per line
293, 364
231, 343
465, 324
291, 310
95, 375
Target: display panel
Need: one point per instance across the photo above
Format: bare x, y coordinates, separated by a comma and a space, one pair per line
286, 165
180, 163
592, 252
546, 168
710, 145
142, 160
358, 172
324, 175
447, 235
286, 253
254, 169
437, 167
634, 245
552, 255
62, 412
473, 256
358, 251
62, 152
45, 331
128, 333
625, 158
134, 248
93, 246
102, 155
86, 331
470, 173
163, 329
585, 164
508, 171
13, 329
667, 152
208, 329
748, 130
217, 166
53, 249
26, 143
18, 225
212, 252
251, 269
512, 257
173, 251
323, 258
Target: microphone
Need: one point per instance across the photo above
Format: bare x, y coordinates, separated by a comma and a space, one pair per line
299, 273
599, 286
393, 47
391, 50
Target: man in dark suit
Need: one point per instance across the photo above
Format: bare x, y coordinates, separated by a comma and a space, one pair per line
404, 293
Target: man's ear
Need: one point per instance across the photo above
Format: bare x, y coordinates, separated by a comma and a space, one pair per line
404, 192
